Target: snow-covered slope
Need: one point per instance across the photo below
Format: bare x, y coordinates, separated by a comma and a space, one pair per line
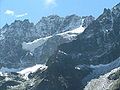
36, 43
33, 69
73, 33
102, 69
70, 35
24, 72
42, 48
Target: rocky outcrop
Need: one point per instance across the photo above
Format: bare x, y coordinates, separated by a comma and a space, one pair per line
103, 83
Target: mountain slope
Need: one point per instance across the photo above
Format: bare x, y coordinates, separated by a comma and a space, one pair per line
43, 48
103, 82
14, 37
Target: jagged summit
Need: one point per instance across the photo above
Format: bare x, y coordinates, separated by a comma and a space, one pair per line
116, 10
19, 33
117, 6
5, 26
55, 24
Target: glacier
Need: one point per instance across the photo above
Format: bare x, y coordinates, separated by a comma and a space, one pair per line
70, 35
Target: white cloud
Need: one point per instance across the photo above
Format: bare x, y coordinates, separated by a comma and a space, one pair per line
9, 12
50, 2
21, 15
12, 13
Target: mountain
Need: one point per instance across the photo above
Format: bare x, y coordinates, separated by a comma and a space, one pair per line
23, 44
95, 52
84, 54
44, 37
54, 24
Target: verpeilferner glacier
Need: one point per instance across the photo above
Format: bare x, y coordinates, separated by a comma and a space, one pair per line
68, 35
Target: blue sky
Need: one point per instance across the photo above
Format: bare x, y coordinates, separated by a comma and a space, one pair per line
33, 10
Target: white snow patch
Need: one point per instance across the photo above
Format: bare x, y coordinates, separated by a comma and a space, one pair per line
72, 33
75, 31
31, 53
78, 68
7, 79
31, 46
24, 72
62, 52
102, 69
1, 74
69, 37
27, 71
98, 66
2, 37
36, 43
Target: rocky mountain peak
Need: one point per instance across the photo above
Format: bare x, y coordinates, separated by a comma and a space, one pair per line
87, 20
52, 17
21, 24
116, 10
107, 15
12, 37
5, 26
117, 6
48, 25
55, 24
72, 16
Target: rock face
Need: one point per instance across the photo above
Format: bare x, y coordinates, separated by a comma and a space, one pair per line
104, 83
54, 24
43, 48
14, 36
